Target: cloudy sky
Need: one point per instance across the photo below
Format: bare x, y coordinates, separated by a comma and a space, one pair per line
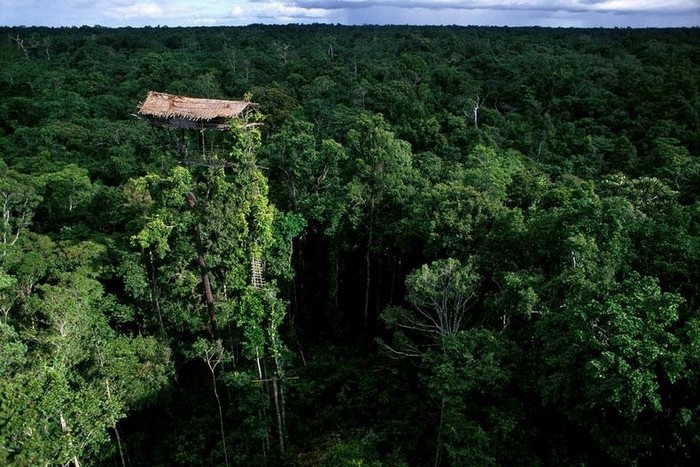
557, 13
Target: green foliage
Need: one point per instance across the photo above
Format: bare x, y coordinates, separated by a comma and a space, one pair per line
66, 383
623, 340
470, 378
382, 170
442, 293
137, 368
306, 176
19, 200
352, 453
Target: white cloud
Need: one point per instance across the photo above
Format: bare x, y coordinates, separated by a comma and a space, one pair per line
139, 10
183, 12
281, 10
278, 12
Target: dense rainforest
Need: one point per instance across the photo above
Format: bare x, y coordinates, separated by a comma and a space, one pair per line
472, 246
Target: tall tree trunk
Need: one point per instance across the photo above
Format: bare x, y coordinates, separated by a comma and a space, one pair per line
278, 412
119, 445
438, 448
213, 357
334, 285
221, 415
114, 426
278, 388
262, 413
368, 263
203, 269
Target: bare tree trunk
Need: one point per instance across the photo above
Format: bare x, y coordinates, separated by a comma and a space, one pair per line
262, 374
47, 45
335, 285
439, 437
213, 359
119, 445
278, 412
66, 429
20, 44
368, 263
283, 411
221, 417
114, 425
278, 388
473, 113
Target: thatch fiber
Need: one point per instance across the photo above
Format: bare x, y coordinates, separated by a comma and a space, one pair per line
168, 106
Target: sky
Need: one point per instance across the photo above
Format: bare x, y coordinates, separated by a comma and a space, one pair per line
547, 13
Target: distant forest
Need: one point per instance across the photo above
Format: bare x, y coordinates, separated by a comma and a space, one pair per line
431, 246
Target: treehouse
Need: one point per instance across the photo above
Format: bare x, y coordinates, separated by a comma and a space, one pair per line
194, 114
190, 113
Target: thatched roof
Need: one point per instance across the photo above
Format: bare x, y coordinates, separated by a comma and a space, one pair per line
173, 110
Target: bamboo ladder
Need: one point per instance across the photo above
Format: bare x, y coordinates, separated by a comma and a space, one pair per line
256, 268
